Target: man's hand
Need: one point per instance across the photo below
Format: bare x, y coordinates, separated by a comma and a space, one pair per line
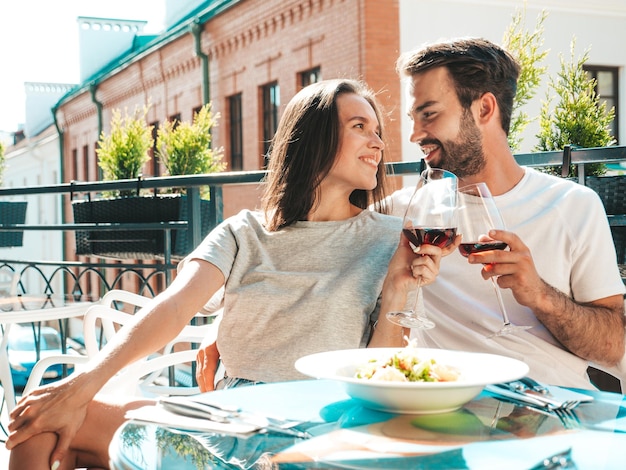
593, 330
514, 268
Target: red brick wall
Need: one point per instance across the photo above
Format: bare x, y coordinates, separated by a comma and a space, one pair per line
250, 44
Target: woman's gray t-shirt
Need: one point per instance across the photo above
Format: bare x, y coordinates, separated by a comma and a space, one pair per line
307, 288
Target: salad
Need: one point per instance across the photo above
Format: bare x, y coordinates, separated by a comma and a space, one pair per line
406, 366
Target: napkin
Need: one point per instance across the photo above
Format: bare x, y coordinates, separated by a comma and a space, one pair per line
158, 415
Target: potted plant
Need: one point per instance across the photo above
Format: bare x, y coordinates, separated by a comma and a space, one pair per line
11, 212
184, 148
580, 119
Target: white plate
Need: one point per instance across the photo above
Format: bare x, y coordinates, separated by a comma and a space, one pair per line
476, 371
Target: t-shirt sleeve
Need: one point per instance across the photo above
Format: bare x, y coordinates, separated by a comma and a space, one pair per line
219, 248
595, 273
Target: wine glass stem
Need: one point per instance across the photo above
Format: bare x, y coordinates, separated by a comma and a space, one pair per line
505, 317
417, 298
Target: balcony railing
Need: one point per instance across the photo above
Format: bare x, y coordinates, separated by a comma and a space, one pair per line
75, 272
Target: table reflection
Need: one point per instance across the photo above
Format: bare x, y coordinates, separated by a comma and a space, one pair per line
348, 435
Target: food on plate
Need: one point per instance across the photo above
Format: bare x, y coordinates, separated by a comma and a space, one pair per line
406, 366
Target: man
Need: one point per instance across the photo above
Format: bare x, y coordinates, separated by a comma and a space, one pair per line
559, 274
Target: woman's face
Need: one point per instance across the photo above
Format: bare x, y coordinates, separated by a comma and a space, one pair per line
360, 146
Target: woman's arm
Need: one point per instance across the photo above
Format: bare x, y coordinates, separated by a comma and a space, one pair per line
61, 406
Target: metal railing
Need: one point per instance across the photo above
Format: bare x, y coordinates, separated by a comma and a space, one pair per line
75, 271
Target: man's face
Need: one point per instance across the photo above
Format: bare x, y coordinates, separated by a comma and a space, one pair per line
446, 133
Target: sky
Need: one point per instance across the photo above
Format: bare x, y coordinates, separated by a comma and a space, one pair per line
39, 43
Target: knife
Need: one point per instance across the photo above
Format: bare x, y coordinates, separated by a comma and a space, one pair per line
501, 390
194, 409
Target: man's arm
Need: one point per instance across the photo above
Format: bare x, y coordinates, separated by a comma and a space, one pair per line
593, 330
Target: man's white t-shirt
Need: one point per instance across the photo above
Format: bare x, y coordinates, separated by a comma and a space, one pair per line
565, 227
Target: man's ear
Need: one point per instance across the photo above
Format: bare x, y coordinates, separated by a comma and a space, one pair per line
487, 107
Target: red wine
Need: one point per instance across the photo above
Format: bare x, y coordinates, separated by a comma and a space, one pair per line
440, 237
467, 249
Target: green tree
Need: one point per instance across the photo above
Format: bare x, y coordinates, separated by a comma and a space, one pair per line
578, 117
525, 46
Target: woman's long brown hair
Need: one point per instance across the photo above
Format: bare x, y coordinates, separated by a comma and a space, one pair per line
304, 149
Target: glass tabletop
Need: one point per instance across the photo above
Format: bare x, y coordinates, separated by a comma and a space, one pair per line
484, 433
27, 302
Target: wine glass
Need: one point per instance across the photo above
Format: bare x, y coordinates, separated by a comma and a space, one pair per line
430, 218
478, 215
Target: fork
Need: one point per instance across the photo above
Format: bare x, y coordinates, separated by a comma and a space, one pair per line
568, 418
536, 399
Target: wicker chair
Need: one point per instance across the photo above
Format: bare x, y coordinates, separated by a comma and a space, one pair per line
612, 191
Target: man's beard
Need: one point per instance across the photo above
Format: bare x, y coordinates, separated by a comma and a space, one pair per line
464, 156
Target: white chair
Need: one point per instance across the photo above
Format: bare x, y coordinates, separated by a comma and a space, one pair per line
8, 283
145, 377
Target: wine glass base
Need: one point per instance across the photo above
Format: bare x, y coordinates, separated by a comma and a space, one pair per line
410, 320
509, 330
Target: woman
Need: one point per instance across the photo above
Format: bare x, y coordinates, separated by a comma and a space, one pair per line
309, 273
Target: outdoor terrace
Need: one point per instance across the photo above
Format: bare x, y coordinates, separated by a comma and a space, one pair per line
68, 276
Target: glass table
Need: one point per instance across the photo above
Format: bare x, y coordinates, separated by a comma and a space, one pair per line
486, 433
29, 309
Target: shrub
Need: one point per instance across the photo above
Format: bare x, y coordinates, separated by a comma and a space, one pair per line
185, 148
123, 152
525, 47
578, 118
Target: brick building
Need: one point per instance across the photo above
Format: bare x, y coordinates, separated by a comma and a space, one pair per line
247, 57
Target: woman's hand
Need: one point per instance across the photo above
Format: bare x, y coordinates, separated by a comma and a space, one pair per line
59, 408
207, 361
408, 267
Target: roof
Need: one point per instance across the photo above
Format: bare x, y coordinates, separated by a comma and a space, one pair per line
146, 44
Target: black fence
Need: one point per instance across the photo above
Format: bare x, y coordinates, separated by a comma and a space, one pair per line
199, 215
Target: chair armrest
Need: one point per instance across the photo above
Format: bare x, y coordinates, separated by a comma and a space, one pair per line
117, 295
36, 376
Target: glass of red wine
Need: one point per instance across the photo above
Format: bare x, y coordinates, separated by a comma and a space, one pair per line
430, 218
478, 214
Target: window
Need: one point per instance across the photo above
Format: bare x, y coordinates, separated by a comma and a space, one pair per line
310, 76
236, 132
85, 165
156, 168
74, 164
271, 101
175, 119
607, 89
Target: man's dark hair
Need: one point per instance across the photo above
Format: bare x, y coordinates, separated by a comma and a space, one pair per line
476, 65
